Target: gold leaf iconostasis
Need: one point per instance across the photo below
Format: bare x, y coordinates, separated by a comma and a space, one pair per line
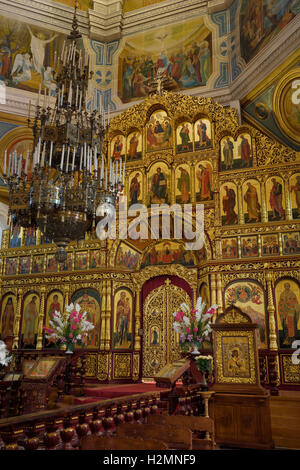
178, 149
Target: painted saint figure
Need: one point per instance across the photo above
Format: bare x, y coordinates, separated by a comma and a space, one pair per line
117, 149
245, 151
276, 200
236, 365
289, 311
253, 205
7, 327
203, 175
159, 186
185, 137
123, 318
296, 189
229, 201
183, 184
37, 46
135, 189
30, 317
228, 153
133, 143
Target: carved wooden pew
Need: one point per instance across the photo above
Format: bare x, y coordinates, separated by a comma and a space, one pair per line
197, 424
173, 436
120, 443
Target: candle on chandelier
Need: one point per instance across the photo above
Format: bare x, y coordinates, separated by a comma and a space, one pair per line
39, 96
73, 161
62, 158
68, 156
106, 179
43, 154
51, 151
26, 164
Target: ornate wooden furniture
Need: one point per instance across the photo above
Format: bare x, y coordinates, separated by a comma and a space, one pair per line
240, 408
175, 437
121, 443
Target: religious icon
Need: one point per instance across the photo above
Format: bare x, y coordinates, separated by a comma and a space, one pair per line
236, 154
168, 252
244, 151
11, 266
269, 245
295, 192
204, 294
227, 149
204, 182
118, 147
135, 188
38, 264
183, 189
68, 263
30, 320
55, 303
89, 301
8, 316
291, 243
24, 267
184, 137
127, 257
275, 203
81, 260
229, 248
202, 134
249, 246
159, 131
95, 259
236, 364
122, 334
134, 147
30, 239
251, 201
287, 294
154, 336
16, 237
228, 200
159, 193
52, 265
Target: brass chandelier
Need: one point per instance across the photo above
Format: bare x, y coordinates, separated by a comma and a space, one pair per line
69, 175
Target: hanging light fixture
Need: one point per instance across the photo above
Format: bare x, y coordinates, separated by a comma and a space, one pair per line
60, 185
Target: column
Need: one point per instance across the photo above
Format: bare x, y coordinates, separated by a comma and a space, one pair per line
108, 315
287, 196
39, 343
173, 192
213, 293
219, 293
137, 344
264, 211
103, 310
240, 204
271, 313
17, 319
193, 189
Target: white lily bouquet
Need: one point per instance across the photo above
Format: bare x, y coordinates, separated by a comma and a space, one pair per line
193, 326
69, 329
5, 357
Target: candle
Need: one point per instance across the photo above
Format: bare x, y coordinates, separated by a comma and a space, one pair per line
70, 94
39, 95
43, 154
26, 164
102, 168
81, 154
62, 95
5, 156
84, 161
106, 179
74, 153
62, 157
68, 157
63, 50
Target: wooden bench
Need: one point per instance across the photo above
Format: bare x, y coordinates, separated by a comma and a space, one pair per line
120, 443
197, 424
173, 436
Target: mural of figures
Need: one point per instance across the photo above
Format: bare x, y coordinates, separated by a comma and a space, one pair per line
249, 297
168, 252
52, 264
261, 21
123, 310
229, 204
30, 237
295, 196
134, 146
154, 336
181, 52
9, 305
184, 137
24, 267
291, 243
127, 257
11, 266
118, 147
251, 201
202, 133
81, 260
27, 55
269, 245
229, 248
67, 265
159, 184
287, 293
158, 132
89, 301
236, 154
16, 237
55, 303
31, 309
38, 264
275, 199
135, 188
95, 259
249, 246
183, 184
204, 177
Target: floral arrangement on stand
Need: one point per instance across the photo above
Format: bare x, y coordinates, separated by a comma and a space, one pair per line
204, 364
193, 326
5, 357
69, 329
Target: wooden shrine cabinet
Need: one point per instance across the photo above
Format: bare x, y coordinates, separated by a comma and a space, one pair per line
241, 406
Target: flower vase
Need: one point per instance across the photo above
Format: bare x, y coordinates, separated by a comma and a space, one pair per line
204, 386
70, 349
195, 349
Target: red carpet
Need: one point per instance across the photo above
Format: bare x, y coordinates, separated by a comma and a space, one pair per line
120, 390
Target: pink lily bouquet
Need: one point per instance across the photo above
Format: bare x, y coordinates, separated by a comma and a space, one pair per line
193, 326
70, 329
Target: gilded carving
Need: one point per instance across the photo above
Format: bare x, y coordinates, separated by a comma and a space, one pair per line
122, 365
291, 372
